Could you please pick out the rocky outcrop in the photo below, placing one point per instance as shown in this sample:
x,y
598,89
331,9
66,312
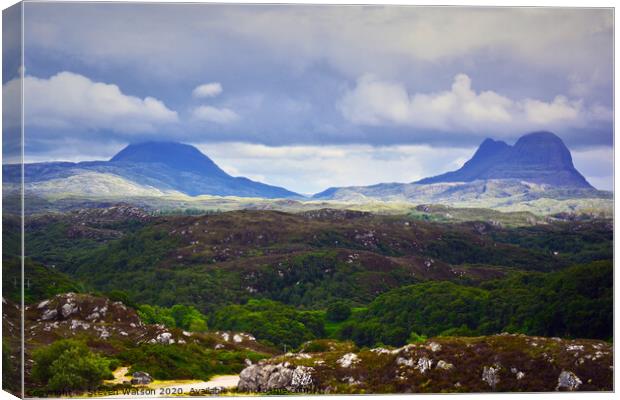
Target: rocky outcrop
x,y
499,363
101,319
283,376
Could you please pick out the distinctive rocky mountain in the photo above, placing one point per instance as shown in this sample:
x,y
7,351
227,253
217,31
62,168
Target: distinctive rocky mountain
x,y
539,165
539,157
144,169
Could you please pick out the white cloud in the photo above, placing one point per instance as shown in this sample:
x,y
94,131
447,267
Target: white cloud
x,y
313,168
376,102
559,109
597,165
207,90
214,114
72,101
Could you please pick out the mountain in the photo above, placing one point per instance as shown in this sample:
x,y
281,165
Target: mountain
x,y
179,156
537,166
142,169
539,157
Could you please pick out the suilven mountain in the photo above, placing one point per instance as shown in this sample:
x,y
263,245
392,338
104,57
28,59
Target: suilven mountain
x,y
539,157
538,165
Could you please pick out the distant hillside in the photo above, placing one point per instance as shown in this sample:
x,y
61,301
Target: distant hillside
x,y
151,168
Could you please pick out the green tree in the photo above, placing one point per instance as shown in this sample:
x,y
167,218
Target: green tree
x,y
338,311
177,316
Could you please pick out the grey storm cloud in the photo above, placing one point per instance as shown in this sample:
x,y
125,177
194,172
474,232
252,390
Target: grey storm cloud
x,y
304,75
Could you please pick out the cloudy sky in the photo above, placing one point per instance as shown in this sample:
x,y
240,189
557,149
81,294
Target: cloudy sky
x,y
309,97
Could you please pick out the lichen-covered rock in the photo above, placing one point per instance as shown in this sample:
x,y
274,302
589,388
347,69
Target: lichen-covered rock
x,y
68,309
302,377
441,364
568,381
434,346
490,375
424,364
141,378
408,362
262,378
347,360
165,338
49,314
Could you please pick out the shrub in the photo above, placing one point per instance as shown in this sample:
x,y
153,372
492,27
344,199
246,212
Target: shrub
x,y
416,338
69,365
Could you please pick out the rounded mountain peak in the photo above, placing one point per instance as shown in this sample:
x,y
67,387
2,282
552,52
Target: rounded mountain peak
x,y
539,137
542,148
173,154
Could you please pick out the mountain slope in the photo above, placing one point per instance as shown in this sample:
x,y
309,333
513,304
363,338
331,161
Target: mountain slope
x,y
539,157
156,167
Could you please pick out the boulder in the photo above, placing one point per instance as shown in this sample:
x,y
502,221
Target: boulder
x,y
165,338
49,314
348,359
141,378
424,364
568,381
441,364
490,375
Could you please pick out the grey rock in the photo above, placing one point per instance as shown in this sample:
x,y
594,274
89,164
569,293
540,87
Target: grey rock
x,y
568,381
490,375
68,309
141,378
424,364
347,360
165,338
262,378
444,365
49,314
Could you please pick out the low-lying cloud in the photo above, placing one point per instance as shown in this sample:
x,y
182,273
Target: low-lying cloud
x,y
312,168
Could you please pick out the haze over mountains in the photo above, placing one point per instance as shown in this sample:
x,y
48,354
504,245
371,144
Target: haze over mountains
x,y
539,164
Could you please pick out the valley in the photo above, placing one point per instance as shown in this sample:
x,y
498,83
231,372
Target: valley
x,y
290,280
